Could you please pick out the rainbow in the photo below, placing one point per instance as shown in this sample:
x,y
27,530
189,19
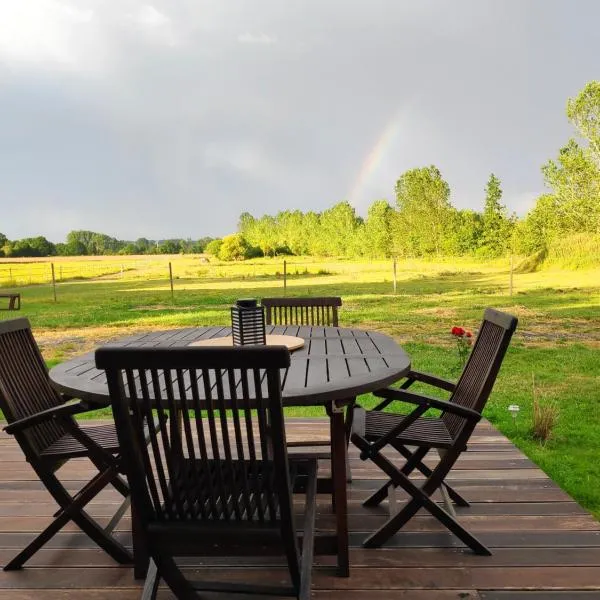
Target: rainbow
x,y
376,156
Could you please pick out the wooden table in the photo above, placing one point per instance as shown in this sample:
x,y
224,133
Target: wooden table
x,y
334,366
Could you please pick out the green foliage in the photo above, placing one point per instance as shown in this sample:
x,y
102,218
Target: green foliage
x,y
496,234
213,247
584,112
233,247
34,246
575,181
573,205
463,235
423,199
377,230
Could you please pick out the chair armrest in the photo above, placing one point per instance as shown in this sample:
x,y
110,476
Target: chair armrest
x,y
432,380
422,400
64,410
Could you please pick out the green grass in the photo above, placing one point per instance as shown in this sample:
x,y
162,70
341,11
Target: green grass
x,y
557,343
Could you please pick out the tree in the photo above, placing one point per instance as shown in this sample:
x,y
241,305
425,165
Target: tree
x,y
34,246
213,247
338,230
377,231
233,247
584,112
423,199
497,227
3,242
463,233
575,182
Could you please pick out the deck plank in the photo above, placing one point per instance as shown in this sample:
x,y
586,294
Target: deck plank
x,y
544,544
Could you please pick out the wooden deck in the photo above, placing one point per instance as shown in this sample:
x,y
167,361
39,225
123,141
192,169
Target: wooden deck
x,y
545,546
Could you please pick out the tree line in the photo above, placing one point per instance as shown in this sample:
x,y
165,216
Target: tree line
x,y
423,222
420,222
91,243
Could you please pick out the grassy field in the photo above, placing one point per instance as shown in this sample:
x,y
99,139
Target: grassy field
x,y
557,344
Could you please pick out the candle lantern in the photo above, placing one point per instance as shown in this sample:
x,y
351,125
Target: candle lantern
x,y
248,323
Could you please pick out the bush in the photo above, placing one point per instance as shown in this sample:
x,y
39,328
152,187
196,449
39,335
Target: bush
x,y
234,247
213,247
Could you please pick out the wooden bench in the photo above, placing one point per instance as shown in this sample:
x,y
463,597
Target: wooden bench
x,y
14,301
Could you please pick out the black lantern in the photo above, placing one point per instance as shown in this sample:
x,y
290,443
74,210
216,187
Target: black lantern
x,y
248,323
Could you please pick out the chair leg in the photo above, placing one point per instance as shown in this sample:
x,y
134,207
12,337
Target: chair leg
x,y
152,581
173,577
20,559
425,470
413,462
394,524
420,499
72,510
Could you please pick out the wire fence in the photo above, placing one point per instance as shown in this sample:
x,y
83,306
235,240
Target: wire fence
x,y
18,274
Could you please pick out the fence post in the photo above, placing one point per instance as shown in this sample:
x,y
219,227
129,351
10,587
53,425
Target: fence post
x,y
171,280
284,277
510,282
53,281
395,278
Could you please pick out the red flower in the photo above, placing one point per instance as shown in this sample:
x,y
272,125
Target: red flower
x,y
458,331
468,334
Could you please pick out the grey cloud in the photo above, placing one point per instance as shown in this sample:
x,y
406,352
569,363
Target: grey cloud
x,y
170,118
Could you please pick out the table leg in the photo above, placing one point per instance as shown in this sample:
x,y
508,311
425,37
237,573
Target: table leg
x,y
339,450
141,558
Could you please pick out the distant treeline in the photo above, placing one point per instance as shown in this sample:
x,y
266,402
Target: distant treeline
x,y
423,222
420,222
90,243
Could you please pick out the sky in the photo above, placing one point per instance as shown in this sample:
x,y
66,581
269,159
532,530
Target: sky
x,y
169,118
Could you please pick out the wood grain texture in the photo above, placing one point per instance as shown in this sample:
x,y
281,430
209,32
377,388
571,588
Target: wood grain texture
x,y
544,545
333,363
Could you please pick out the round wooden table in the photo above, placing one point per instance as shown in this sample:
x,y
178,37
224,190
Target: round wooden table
x,y
333,367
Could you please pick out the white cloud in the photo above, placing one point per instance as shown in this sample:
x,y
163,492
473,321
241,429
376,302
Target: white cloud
x,y
42,30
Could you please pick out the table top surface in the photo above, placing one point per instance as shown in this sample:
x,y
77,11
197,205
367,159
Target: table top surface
x,y
335,363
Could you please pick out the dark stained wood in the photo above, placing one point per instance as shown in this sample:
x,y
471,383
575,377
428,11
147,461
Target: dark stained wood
x,y
215,480
302,311
554,562
43,426
334,363
415,435
14,301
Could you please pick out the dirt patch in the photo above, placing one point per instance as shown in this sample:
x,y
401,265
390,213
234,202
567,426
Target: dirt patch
x,y
521,311
65,344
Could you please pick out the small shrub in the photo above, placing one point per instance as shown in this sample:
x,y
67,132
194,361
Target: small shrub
x,y
545,417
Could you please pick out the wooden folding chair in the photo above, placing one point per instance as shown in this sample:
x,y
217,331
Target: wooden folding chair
x,y
221,482
414,435
312,311
43,425
302,311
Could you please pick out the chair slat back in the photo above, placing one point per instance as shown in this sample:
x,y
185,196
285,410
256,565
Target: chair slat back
x,y
302,311
222,453
25,388
477,379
